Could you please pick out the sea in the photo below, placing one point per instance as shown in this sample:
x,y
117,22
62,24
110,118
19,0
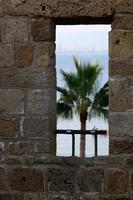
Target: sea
x,y
65,61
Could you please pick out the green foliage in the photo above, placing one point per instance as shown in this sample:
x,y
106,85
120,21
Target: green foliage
x,y
81,92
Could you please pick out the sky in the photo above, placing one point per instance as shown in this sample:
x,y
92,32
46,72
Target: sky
x,y
83,37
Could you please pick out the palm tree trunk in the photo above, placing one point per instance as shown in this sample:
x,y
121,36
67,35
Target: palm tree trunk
x,y
83,118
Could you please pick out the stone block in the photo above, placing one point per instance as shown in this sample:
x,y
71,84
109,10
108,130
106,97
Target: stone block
x,y
11,101
27,77
4,179
121,91
11,196
42,146
121,124
124,6
26,179
19,148
7,55
90,180
36,127
131,181
18,7
60,8
61,180
63,197
24,55
123,22
42,30
121,67
2,147
91,8
8,128
1,8
121,146
32,196
45,54
41,101
116,181
121,43
14,30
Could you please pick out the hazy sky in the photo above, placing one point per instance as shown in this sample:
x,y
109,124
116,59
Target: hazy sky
x,y
83,37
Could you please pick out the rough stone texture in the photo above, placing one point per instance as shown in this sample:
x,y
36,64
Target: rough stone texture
x,y
42,146
11,196
45,54
24,179
4,182
7,61
121,67
19,148
27,77
60,180
33,196
56,8
8,128
14,30
11,101
42,30
40,101
121,43
124,6
119,146
121,124
91,180
1,8
121,91
123,22
35,128
24,55
131,181
116,181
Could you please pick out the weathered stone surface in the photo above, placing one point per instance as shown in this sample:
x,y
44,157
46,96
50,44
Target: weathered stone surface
x,y
42,146
42,29
11,101
8,128
26,179
36,127
4,182
1,8
2,146
32,196
121,43
123,22
60,8
131,181
121,67
119,146
116,181
27,77
45,54
121,124
11,196
18,7
124,6
7,61
24,55
14,30
62,197
61,180
121,91
41,101
90,180
19,148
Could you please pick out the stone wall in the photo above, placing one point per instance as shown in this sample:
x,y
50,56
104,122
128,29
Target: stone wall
x,y
28,103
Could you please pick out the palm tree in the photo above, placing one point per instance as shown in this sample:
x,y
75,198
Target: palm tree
x,y
81,95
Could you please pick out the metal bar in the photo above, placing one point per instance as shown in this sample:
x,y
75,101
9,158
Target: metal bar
x,y
87,132
96,144
73,144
